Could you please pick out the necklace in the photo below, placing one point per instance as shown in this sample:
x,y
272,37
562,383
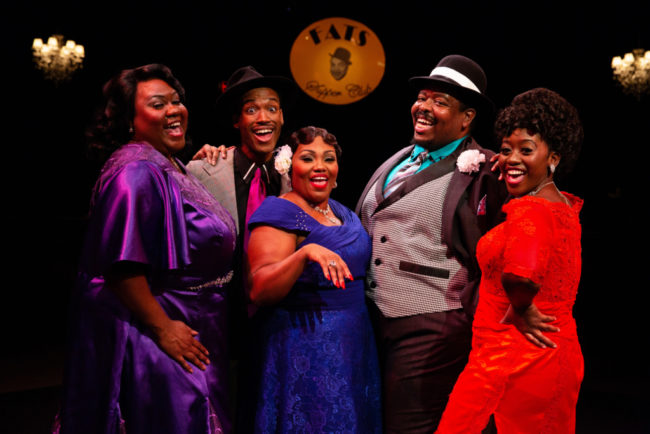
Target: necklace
x,y
326,212
175,164
539,188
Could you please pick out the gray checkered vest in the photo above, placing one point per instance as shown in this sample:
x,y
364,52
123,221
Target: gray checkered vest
x,y
410,271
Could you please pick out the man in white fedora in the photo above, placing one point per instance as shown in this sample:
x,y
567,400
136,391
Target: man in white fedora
x,y
425,209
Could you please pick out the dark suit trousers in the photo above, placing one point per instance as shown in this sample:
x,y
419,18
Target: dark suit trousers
x,y
421,357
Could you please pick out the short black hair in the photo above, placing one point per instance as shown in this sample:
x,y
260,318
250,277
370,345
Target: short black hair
x,y
544,112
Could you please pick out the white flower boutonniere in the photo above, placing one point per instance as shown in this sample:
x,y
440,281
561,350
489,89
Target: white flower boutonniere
x,y
470,161
283,159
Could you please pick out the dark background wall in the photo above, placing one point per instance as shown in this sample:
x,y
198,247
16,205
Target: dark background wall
x,y
560,45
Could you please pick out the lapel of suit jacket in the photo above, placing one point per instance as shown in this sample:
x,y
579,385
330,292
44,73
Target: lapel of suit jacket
x,y
380,174
432,172
457,186
223,183
285,184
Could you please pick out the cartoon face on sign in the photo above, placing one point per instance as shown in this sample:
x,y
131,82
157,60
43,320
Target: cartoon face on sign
x,y
337,61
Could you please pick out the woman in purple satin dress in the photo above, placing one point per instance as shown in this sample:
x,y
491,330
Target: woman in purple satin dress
x,y
148,338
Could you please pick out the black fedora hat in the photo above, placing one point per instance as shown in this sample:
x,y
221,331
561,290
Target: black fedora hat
x,y
342,54
247,78
460,77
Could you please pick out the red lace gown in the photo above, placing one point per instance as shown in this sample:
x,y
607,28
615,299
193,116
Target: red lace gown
x,y
527,388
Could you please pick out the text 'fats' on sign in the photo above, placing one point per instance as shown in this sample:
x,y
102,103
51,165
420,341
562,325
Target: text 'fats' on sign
x,y
337,61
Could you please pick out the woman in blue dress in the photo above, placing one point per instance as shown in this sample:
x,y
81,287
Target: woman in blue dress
x,y
308,256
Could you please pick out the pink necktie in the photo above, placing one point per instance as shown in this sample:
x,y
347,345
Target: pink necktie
x,y
256,195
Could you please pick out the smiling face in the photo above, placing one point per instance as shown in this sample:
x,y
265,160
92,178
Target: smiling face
x,y
524,161
260,123
438,119
314,170
338,68
160,118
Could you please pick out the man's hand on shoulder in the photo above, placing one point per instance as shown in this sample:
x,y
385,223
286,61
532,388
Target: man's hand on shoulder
x,y
211,153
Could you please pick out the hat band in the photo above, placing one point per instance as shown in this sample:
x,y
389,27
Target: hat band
x,y
456,76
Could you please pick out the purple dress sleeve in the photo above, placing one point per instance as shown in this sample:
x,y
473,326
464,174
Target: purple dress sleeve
x,y
137,217
146,211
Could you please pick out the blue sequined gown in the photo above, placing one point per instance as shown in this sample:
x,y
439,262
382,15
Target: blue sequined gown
x,y
319,369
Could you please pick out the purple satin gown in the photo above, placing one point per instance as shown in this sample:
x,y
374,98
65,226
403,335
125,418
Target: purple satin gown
x,y
117,378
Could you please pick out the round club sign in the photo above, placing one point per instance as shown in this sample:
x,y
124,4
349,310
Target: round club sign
x,y
337,61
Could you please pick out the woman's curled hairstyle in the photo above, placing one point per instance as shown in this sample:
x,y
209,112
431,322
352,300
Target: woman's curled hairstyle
x,y
112,127
544,112
306,135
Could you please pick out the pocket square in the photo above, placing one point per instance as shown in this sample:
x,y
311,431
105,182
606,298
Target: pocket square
x,y
482,206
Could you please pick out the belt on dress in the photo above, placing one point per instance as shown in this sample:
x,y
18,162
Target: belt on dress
x,y
219,282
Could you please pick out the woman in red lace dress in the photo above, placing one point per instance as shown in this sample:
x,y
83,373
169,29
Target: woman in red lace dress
x,y
526,365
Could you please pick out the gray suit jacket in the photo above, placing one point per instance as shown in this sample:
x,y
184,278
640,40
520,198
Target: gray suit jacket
x,y
219,180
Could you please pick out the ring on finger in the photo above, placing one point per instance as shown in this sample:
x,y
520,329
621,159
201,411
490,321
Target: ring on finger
x,y
331,263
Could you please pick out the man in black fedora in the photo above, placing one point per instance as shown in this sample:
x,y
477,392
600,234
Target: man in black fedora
x,y
251,103
425,209
339,63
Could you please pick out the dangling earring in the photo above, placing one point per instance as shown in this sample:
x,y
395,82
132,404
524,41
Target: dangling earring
x,y
335,184
552,168
131,130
